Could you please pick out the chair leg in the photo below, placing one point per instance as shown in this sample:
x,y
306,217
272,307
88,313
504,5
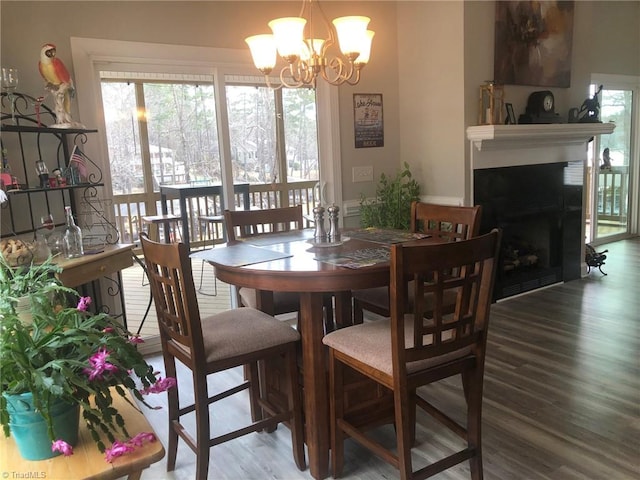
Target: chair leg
x,y
252,375
329,318
295,407
403,434
174,417
215,283
215,280
358,312
336,413
474,421
202,425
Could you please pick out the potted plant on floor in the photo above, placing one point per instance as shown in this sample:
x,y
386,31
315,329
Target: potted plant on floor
x,y
65,361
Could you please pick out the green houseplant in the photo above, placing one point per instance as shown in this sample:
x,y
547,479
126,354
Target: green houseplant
x,y
68,354
27,289
391,206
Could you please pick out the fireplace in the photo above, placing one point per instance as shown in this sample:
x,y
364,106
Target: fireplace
x,y
539,212
529,180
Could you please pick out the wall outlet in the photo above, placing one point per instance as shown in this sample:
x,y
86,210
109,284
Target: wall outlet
x,y
362,174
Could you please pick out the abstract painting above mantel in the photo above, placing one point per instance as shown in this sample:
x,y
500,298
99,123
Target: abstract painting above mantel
x,y
533,42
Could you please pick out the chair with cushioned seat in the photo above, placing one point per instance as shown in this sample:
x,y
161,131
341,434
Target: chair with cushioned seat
x,y
414,348
240,337
242,224
445,222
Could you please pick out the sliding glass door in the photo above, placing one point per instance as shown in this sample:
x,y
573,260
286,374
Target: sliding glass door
x,y
613,162
163,128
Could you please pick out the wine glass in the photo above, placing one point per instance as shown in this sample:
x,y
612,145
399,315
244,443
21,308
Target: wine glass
x,y
10,84
46,226
46,222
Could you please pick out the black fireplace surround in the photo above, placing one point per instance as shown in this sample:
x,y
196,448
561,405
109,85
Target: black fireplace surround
x,y
539,209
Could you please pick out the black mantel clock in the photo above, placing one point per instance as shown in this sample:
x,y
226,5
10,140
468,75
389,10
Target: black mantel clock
x,y
540,108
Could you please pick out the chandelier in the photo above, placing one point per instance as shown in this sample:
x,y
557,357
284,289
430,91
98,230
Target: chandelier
x,y
307,56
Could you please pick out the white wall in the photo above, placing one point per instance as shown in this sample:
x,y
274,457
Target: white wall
x,y
431,65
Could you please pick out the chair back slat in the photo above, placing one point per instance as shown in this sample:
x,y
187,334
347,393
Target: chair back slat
x,y
247,223
430,331
174,295
451,223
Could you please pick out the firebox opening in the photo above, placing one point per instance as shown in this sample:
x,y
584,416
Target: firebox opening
x,y
529,203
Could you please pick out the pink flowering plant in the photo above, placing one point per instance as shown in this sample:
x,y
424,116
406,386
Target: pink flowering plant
x,y
72,354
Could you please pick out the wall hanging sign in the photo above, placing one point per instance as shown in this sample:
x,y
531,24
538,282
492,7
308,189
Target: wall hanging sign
x,y
368,124
533,41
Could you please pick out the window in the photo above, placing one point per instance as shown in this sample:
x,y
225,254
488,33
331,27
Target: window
x,y
273,133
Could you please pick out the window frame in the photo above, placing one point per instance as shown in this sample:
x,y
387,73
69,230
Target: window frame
x,y
90,56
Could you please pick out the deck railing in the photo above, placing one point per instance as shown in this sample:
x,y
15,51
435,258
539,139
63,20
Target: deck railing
x,y
128,209
612,193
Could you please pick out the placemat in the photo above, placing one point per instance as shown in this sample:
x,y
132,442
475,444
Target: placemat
x,y
365,257
280,237
239,255
386,236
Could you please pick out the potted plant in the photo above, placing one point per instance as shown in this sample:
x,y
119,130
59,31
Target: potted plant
x,y
391,207
65,361
24,288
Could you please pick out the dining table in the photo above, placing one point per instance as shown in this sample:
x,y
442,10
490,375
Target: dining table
x,y
295,262
184,191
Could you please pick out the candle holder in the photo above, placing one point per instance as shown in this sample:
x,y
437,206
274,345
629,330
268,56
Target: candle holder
x,y
491,104
43,173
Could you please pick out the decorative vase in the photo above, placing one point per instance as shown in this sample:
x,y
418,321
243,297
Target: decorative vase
x,y
29,429
23,310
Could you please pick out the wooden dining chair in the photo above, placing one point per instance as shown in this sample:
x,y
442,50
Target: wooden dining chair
x,y
445,222
407,350
240,337
243,224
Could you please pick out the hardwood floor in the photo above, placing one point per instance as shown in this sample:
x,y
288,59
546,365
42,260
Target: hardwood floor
x,y
561,399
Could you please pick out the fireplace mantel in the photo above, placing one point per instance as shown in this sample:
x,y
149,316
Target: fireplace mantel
x,y
501,137
494,146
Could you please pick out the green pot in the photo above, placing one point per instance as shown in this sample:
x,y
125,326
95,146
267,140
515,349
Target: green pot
x,y
29,429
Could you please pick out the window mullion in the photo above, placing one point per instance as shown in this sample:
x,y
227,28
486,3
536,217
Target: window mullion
x,y
145,148
281,146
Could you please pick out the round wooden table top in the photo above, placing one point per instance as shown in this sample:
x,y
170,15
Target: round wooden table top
x,y
303,271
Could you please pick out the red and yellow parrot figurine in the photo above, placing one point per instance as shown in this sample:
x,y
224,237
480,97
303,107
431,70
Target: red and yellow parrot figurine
x,y
59,82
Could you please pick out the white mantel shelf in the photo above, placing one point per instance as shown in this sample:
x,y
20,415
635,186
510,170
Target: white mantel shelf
x,y
505,137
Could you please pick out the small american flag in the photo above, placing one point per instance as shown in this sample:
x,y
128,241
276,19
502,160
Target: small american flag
x,y
78,163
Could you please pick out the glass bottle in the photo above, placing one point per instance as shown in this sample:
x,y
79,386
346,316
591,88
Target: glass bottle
x,y
72,240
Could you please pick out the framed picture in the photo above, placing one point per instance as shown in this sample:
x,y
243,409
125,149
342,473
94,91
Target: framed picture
x,y
368,123
533,42
511,117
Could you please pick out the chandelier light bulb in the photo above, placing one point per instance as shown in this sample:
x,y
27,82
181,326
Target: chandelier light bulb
x,y
352,34
289,35
263,51
365,50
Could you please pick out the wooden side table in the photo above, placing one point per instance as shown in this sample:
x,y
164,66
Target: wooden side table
x,y
90,267
86,463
